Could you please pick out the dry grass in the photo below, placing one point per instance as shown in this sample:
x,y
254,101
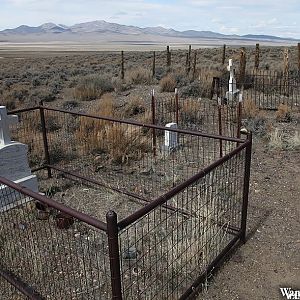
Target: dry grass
x,y
250,109
92,87
139,76
119,141
190,111
134,107
167,84
283,113
280,140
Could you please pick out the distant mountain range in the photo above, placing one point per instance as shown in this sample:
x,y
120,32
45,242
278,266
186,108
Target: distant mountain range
x,y
51,32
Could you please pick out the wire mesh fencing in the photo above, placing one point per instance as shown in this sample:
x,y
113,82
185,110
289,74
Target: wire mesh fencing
x,y
268,89
191,189
54,254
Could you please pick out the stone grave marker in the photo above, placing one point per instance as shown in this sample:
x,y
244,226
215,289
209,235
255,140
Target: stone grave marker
x,y
13,164
171,137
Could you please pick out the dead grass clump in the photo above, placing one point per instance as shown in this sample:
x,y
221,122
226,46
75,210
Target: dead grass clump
x,y
139,76
134,107
190,111
281,141
167,84
250,109
125,143
92,87
283,113
90,130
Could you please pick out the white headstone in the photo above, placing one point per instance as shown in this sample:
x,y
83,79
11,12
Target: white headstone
x,y
13,163
233,92
5,121
171,137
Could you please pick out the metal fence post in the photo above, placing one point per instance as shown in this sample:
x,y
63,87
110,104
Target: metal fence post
x,y
114,255
45,139
153,122
246,188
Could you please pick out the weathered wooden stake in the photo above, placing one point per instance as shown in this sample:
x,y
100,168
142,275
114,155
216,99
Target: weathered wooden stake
x,y
194,64
256,64
153,65
122,65
224,54
187,64
242,67
168,56
189,58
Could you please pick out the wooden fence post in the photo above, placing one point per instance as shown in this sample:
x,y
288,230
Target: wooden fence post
x,y
256,64
224,54
189,59
168,57
242,67
153,65
194,64
122,65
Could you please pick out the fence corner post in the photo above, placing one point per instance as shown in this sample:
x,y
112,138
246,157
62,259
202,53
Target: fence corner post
x,y
114,255
246,187
45,139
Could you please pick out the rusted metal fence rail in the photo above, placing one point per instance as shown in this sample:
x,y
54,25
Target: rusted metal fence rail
x,y
192,211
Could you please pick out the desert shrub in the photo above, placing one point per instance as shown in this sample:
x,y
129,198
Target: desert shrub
x,y
160,72
283,141
192,90
135,106
119,85
70,104
167,83
190,111
125,143
139,76
259,125
92,87
46,96
7,99
283,113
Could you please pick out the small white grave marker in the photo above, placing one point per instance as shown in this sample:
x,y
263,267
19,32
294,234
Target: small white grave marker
x,y
171,137
14,164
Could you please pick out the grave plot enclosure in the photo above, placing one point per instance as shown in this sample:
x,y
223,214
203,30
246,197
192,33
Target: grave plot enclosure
x,y
159,208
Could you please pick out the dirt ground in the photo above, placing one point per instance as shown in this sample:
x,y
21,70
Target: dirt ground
x,y
270,259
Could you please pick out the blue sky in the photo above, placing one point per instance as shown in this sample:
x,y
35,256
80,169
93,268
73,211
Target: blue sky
x,y
273,17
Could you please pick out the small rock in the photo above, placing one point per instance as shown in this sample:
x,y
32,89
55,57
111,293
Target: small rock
x,y
130,253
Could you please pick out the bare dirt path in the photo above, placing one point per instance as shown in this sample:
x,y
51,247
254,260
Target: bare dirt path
x,y
271,257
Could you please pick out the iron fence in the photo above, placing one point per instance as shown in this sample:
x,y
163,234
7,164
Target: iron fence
x,y
269,89
192,195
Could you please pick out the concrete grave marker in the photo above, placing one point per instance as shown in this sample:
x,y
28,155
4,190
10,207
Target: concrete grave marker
x,y
13,163
171,137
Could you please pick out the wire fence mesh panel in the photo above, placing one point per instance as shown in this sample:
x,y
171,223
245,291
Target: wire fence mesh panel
x,y
142,160
29,131
164,251
270,89
57,256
